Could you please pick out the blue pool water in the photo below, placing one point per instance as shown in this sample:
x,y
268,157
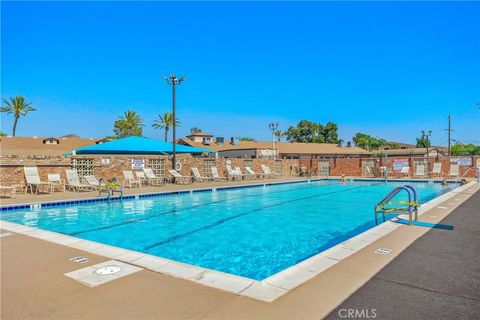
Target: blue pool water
x,y
252,232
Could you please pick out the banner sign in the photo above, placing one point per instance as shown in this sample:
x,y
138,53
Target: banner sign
x,y
398,164
467,161
138,164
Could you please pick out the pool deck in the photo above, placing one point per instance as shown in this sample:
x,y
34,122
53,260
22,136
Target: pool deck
x,y
439,274
34,285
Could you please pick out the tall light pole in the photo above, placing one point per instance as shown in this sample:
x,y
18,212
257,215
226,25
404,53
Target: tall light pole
x,y
174,81
273,126
427,134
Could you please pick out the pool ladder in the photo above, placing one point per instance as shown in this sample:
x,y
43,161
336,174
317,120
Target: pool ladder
x,y
411,205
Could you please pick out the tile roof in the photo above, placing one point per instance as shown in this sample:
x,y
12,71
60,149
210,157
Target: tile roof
x,y
282,147
34,146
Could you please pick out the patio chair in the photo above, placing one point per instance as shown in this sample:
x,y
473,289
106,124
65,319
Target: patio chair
x,y
216,176
405,171
142,177
197,177
454,170
8,189
232,174
437,170
251,172
180,179
54,182
266,170
92,181
33,179
245,176
419,171
130,180
73,181
152,179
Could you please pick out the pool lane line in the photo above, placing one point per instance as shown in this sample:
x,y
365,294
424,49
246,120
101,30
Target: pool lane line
x,y
182,235
175,211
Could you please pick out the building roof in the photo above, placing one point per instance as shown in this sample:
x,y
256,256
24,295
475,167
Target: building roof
x,y
282,147
137,145
28,146
200,134
406,151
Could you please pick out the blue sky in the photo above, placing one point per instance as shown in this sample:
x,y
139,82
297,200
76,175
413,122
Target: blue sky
x,y
387,69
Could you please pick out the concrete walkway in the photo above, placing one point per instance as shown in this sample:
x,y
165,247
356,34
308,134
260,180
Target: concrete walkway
x,y
437,277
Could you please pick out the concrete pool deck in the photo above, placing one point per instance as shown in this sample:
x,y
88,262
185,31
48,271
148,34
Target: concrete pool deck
x,y
34,285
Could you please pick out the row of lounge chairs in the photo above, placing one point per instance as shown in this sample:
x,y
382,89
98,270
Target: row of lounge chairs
x,y
420,170
146,177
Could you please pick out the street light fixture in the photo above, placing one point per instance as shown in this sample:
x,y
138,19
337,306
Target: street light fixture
x,y
273,126
427,134
174,81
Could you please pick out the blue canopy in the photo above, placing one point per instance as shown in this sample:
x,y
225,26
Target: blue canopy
x,y
137,145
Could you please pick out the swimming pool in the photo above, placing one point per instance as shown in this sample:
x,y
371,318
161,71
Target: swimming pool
x,y
252,232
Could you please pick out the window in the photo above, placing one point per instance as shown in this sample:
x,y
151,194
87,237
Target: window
x,y
84,166
157,166
207,167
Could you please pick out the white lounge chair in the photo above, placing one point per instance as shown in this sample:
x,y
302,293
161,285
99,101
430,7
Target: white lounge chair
x,y
437,170
232,174
243,175
92,181
216,176
197,177
419,171
405,171
130,180
253,173
180,179
54,182
141,176
33,179
454,170
266,170
73,181
152,179
8,189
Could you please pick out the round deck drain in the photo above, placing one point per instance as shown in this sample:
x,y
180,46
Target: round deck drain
x,y
108,270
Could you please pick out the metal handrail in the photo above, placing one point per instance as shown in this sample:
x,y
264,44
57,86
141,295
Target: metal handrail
x,y
412,205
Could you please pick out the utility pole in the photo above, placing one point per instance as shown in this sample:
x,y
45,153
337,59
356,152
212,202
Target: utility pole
x,y
173,80
273,126
449,133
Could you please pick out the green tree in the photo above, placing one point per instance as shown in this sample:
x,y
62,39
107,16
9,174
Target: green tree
x,y
368,142
460,149
308,131
279,134
195,130
2,134
165,122
18,107
423,141
246,139
128,124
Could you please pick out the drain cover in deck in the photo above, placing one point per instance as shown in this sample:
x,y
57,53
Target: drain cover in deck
x,y
102,273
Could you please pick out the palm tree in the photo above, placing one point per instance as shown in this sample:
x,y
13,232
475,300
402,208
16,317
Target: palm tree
x,y
279,134
129,124
165,122
18,107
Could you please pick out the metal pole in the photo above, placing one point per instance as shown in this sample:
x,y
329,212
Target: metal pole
x,y
273,142
174,133
449,131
